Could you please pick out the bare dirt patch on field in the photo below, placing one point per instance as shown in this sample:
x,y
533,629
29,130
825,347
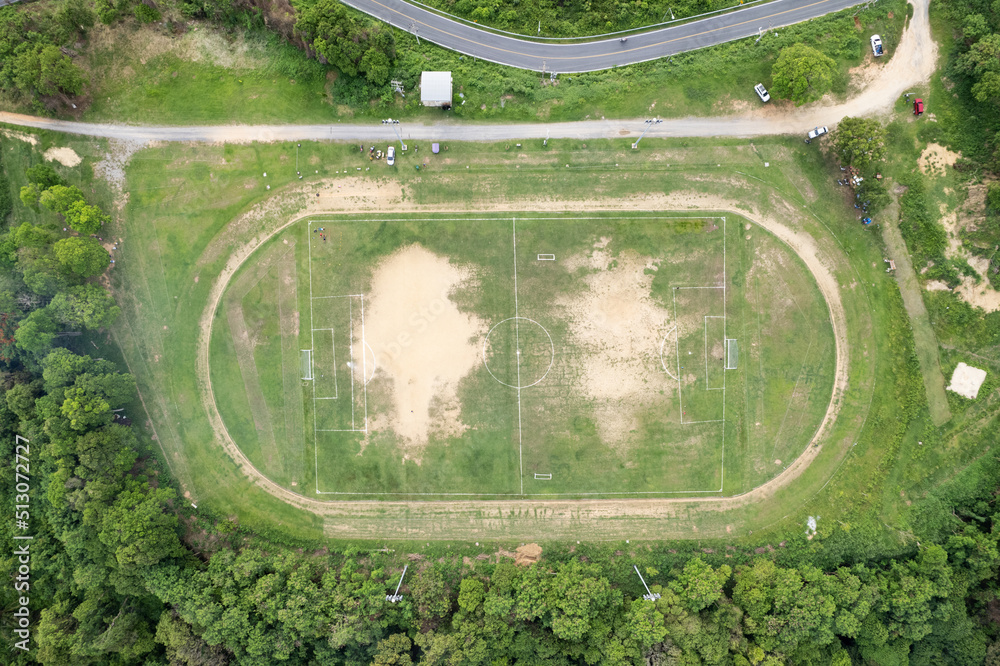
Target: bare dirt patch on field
x,y
619,325
421,341
935,159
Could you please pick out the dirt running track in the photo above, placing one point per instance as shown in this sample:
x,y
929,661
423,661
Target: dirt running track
x,y
912,63
530,518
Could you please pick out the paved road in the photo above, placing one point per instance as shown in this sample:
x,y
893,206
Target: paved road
x,y
590,56
912,63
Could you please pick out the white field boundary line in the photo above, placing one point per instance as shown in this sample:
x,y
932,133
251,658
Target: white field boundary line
x,y
312,344
725,294
517,344
784,235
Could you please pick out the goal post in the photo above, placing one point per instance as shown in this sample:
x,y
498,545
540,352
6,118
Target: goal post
x,y
732,353
305,357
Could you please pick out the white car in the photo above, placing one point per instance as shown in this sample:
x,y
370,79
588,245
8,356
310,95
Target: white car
x,y
819,131
762,92
877,46
390,156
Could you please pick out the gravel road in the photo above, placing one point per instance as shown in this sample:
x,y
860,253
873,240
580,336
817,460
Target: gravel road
x,y
913,63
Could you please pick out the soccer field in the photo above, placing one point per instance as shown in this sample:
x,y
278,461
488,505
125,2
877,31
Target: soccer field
x,y
613,355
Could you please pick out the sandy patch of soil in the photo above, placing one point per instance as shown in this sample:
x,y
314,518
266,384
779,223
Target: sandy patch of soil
x,y
527,554
966,217
20,136
620,326
65,156
978,295
421,341
936,158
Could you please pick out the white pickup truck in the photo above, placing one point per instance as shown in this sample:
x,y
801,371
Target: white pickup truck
x,y
877,46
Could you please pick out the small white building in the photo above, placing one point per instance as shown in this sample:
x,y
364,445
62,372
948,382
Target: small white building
x,y
435,89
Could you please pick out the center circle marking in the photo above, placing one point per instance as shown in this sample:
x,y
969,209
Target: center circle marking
x,y
534,326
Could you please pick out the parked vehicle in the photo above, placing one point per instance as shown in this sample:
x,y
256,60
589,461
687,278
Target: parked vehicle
x,y
391,156
918,107
762,92
813,133
876,46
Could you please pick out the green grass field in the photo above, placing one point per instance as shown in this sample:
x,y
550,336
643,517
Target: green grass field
x,y
191,208
570,382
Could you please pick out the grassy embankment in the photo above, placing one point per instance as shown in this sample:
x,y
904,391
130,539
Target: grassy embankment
x,y
147,75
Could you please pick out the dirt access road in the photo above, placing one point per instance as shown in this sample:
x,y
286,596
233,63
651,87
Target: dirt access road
x,y
913,62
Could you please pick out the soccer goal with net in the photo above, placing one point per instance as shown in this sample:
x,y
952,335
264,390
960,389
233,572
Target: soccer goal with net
x,y
306,357
732,353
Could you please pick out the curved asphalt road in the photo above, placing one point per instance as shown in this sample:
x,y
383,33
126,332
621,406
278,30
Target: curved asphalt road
x,y
591,56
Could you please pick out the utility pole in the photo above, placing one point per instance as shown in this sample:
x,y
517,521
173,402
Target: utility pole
x,y
396,596
649,596
393,123
649,123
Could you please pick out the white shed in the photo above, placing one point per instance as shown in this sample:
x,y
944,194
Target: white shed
x,y
435,89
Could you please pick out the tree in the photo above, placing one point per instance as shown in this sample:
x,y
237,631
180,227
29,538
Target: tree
x,y
29,196
993,198
85,306
57,73
85,257
988,87
355,46
86,219
860,142
699,585
43,274
138,529
85,410
59,198
28,235
802,74
44,176
471,594
36,332
393,651
61,368
984,56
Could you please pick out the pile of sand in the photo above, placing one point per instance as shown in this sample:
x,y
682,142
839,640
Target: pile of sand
x,y
528,554
966,381
65,156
